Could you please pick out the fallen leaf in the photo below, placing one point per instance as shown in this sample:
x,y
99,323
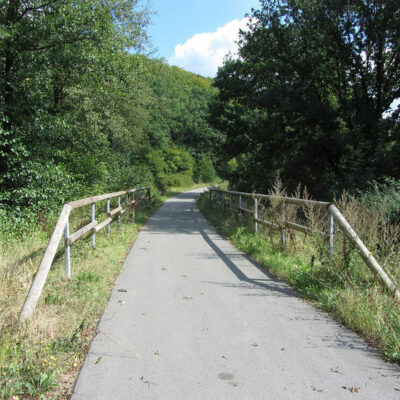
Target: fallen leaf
x,y
122,290
351,389
255,344
98,360
157,353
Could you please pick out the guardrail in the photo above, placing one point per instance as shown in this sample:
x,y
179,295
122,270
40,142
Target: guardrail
x,y
62,226
333,214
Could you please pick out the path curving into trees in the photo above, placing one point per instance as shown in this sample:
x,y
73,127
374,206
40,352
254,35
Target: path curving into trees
x,y
191,317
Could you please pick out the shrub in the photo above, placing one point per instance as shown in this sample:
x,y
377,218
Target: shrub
x,y
171,167
204,171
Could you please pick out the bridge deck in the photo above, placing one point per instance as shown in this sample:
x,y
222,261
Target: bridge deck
x,y
193,318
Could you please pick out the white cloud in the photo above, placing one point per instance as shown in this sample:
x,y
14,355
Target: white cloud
x,y
203,53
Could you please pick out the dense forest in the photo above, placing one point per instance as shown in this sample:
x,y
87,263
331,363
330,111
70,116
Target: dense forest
x,y
83,110
313,96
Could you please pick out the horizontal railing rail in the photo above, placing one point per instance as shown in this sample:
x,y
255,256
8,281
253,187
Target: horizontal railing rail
x,y
62,226
334,215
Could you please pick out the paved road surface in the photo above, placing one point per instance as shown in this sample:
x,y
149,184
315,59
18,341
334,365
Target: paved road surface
x,y
199,320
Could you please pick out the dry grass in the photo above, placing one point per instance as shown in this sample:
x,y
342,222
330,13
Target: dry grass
x,y
42,358
53,344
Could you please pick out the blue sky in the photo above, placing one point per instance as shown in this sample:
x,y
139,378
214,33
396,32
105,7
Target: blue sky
x,y
195,34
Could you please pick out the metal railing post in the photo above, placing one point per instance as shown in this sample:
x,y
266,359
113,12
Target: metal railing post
x,y
92,218
240,211
255,216
331,233
108,210
223,202
230,203
119,214
67,250
283,232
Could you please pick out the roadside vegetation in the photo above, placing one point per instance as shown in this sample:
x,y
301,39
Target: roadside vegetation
x,y
340,284
84,110
42,358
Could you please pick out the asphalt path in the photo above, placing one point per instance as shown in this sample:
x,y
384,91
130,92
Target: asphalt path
x,y
193,318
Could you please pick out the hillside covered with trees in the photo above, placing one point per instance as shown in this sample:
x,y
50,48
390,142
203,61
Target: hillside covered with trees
x,y
83,111
313,96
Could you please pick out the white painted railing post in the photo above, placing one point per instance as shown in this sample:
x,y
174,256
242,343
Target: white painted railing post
x,y
283,231
331,233
92,218
67,250
240,211
108,211
119,214
255,216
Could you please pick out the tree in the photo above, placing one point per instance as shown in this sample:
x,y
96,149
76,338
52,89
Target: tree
x,y
311,94
56,59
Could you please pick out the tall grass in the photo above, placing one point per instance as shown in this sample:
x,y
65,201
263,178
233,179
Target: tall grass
x,y
340,283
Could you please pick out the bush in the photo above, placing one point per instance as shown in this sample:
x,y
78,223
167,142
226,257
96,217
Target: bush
x,y
384,196
204,171
39,189
171,167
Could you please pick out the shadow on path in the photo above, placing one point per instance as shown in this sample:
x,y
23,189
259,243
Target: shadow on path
x,y
276,285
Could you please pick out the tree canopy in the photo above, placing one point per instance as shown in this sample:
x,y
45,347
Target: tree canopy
x,y
311,95
82,107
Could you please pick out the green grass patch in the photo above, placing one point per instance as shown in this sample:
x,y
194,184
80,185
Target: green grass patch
x,y
339,285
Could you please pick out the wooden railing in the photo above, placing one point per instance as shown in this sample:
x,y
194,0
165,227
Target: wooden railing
x,y
62,225
227,199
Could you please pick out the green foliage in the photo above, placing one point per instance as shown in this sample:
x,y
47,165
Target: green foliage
x,y
204,171
171,167
384,196
180,110
40,384
311,94
88,127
